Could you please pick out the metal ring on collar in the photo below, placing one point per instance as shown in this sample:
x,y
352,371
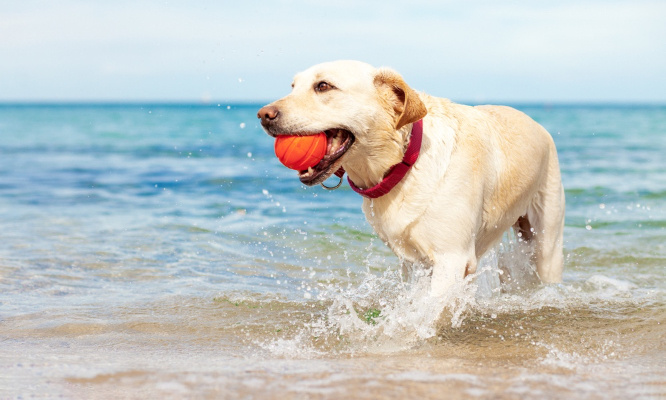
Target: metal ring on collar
x,y
332,187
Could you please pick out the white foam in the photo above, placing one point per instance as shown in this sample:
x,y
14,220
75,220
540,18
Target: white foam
x,y
297,347
606,283
560,358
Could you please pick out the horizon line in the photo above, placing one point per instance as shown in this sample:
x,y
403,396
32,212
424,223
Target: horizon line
x,y
259,102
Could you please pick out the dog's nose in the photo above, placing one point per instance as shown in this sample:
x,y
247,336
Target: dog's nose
x,y
268,114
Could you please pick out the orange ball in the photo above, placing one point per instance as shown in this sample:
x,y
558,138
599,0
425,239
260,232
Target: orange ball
x,y
300,152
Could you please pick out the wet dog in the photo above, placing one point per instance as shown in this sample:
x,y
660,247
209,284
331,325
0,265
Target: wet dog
x,y
465,174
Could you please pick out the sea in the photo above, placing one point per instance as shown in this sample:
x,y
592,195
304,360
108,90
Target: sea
x,y
162,251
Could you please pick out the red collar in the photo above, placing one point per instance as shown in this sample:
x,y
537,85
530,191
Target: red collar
x,y
396,172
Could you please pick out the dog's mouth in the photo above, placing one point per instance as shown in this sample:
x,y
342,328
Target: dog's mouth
x,y
338,142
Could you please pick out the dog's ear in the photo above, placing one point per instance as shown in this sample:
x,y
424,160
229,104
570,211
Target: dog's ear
x,y
404,101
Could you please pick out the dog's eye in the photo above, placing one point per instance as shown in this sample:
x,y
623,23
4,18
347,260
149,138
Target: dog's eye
x,y
323,87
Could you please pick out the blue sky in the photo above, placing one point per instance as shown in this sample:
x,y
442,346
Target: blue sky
x,y
221,51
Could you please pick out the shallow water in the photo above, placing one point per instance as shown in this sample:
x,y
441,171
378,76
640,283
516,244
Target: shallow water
x,y
162,251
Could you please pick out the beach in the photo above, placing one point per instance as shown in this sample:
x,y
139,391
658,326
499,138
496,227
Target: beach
x,y
162,251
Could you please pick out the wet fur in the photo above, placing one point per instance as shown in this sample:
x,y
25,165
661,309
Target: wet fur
x,y
481,169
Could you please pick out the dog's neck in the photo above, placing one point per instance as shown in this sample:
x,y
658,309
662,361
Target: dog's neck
x,y
374,187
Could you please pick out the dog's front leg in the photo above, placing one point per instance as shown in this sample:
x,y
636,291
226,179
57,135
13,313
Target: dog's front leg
x,y
449,269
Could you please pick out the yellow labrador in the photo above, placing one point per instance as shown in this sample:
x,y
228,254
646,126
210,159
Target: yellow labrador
x,y
477,172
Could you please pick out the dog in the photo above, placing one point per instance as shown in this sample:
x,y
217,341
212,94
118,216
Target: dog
x,y
478,171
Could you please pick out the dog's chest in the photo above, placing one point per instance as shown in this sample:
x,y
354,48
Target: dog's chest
x,y
394,226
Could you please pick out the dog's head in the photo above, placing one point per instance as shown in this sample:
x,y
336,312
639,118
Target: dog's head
x,y
360,108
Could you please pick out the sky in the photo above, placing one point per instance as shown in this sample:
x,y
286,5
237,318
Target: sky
x,y
246,50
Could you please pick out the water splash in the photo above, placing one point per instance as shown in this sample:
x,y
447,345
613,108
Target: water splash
x,y
384,313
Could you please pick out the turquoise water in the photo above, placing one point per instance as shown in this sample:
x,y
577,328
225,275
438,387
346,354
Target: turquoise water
x,y
147,247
